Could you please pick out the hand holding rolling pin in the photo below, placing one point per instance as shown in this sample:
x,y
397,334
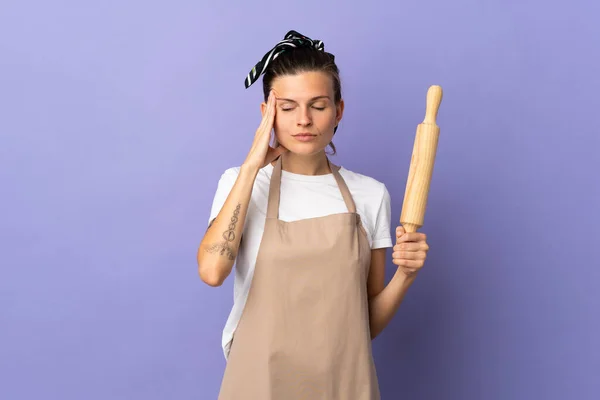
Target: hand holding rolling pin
x,y
411,247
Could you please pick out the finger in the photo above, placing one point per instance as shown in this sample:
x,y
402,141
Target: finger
x,y
270,114
416,264
274,93
263,123
400,262
400,231
412,237
269,106
266,124
273,99
409,255
411,246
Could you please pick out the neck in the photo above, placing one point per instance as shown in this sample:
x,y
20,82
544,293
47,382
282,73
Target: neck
x,y
313,164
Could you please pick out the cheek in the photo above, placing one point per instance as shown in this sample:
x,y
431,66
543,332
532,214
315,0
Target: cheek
x,y
281,121
328,118
281,126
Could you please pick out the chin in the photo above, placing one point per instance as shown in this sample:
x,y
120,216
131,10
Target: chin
x,y
305,149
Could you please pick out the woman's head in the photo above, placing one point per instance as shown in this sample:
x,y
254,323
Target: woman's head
x,y
307,85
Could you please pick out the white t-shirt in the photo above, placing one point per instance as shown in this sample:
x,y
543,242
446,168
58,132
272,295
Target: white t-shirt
x,y
302,196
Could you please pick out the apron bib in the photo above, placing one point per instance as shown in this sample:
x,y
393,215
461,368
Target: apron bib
x,y
304,332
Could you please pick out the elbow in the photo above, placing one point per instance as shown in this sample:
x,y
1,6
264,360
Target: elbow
x,y
212,271
212,282
210,277
204,271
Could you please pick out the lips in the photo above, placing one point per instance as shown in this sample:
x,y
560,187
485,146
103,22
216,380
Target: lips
x,y
305,137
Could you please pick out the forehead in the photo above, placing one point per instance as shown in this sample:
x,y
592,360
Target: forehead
x,y
304,85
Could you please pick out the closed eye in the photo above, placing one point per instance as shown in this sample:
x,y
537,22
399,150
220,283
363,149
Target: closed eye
x,y
316,108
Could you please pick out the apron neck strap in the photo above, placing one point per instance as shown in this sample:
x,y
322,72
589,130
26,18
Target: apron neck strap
x,y
275,189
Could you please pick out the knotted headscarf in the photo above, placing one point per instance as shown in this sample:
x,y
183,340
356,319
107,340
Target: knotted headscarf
x,y
291,40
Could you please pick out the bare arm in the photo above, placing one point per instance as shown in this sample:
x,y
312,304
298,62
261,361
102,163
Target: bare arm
x,y
219,246
218,249
409,255
384,300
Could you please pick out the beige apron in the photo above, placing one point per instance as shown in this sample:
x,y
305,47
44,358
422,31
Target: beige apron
x,y
304,332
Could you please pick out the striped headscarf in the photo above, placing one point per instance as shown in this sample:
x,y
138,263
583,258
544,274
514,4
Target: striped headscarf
x,y
292,39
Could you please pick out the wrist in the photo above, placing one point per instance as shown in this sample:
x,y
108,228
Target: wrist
x,y
405,278
249,170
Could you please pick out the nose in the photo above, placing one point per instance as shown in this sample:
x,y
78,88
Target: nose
x,y
304,118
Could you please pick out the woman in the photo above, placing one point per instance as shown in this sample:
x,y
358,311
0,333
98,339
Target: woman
x,y
309,241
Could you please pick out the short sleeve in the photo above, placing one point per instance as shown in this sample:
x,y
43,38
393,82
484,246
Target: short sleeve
x,y
381,234
224,187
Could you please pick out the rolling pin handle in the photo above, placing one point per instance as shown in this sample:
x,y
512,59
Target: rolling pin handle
x,y
434,98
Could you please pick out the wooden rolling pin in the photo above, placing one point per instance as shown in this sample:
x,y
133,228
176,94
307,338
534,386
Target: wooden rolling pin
x,y
421,164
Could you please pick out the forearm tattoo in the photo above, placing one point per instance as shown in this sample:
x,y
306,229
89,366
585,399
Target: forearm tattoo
x,y
224,248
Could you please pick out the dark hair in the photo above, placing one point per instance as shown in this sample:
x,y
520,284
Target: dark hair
x,y
304,59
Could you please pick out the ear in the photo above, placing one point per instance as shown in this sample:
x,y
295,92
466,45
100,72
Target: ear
x,y
263,108
339,112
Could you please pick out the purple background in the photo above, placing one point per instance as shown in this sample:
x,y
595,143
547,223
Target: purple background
x,y
117,119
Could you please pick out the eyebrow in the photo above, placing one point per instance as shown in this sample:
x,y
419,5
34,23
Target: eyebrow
x,y
294,101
